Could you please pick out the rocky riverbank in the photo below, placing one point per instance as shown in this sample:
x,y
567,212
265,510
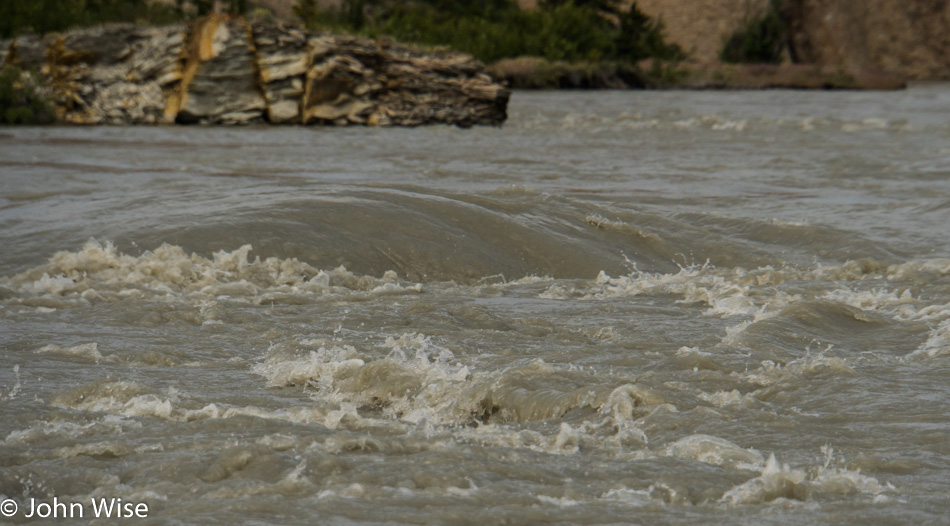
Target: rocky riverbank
x,y
222,70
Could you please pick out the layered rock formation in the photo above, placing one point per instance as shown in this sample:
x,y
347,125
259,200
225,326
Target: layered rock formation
x,y
220,83
223,71
345,79
282,61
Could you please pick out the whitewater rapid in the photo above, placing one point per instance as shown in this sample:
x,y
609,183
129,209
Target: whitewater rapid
x,y
618,308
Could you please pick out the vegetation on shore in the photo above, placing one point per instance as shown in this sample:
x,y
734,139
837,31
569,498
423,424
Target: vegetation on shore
x,y
558,30
589,35
21,101
491,30
47,16
560,44
760,40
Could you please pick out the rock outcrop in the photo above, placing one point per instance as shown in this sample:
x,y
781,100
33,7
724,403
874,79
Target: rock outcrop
x,y
701,27
334,79
220,80
906,37
106,75
221,70
282,59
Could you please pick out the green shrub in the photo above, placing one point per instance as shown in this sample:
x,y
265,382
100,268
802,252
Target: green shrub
x,y
20,100
642,37
491,30
45,16
761,40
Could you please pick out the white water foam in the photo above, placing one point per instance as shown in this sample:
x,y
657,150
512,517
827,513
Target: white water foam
x,y
779,482
762,293
98,271
86,351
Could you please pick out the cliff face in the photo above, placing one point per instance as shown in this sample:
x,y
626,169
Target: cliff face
x,y
223,71
906,37
701,27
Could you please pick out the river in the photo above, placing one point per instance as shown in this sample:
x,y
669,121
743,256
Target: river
x,y
618,308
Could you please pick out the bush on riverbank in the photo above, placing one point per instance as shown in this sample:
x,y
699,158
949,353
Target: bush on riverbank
x,y
760,41
491,30
20,99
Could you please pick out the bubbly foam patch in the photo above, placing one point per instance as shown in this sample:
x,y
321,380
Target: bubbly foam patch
x,y
725,292
937,344
408,384
770,372
120,398
131,399
778,482
415,381
41,431
420,383
715,450
100,271
86,351
753,296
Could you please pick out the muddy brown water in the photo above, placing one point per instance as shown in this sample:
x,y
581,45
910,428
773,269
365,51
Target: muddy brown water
x,y
619,308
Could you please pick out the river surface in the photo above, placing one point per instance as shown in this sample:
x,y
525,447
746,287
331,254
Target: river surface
x,y
619,308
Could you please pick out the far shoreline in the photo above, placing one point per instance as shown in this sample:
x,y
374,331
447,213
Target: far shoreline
x,y
533,73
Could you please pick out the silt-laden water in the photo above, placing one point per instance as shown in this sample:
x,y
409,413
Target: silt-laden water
x,y
619,308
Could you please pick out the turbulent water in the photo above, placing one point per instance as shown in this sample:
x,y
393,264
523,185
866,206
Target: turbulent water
x,y
627,308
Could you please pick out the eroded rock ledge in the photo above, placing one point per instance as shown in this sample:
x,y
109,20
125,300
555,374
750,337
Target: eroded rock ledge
x,y
221,70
